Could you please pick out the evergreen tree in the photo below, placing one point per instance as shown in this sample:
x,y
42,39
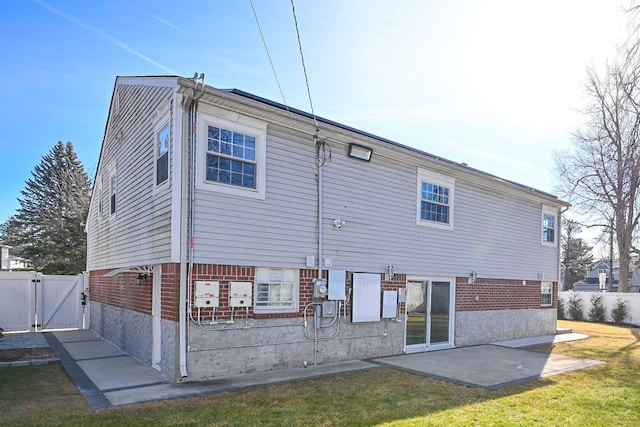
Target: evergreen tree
x,y
48,227
576,254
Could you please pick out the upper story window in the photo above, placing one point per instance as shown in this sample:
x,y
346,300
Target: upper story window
x,y
435,200
112,198
549,226
231,157
231,153
276,290
162,140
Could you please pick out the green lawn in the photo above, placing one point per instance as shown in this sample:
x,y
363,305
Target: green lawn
x,y
600,396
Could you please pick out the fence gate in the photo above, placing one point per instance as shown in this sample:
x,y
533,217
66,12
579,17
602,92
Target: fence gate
x,y
34,302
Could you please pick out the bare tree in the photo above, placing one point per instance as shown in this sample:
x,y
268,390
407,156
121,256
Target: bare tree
x,y
601,174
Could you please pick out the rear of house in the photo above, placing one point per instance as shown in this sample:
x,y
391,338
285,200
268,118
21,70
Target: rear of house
x,y
228,234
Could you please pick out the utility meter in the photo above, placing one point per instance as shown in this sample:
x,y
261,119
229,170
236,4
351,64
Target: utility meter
x,y
320,288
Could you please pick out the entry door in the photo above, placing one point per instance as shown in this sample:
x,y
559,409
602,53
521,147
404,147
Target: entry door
x,y
429,308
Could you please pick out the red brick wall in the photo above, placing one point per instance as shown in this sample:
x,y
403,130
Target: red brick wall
x,y
120,290
500,294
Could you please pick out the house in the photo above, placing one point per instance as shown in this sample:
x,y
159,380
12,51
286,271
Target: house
x,y
600,271
12,262
228,233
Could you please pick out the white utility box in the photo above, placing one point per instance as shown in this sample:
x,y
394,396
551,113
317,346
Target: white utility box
x,y
207,294
240,294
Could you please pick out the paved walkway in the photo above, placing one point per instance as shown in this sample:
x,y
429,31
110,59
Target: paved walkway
x,y
108,377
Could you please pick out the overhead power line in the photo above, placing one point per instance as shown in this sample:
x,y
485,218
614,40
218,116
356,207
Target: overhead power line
x,y
304,68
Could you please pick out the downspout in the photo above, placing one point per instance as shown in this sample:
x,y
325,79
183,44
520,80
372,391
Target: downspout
x,y
186,269
562,211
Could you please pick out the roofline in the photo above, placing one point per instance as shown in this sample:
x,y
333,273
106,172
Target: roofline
x,y
387,141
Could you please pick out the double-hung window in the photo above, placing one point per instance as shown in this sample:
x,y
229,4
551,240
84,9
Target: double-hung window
x,y
546,293
435,200
162,140
549,226
232,154
231,157
276,290
112,197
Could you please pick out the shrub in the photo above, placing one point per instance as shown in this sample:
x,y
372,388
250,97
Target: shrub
x,y
619,311
575,307
561,309
597,313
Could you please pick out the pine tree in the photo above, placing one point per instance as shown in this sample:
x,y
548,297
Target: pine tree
x,y
576,254
48,227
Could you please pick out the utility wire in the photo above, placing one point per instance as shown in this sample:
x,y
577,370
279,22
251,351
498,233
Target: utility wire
x,y
273,68
304,68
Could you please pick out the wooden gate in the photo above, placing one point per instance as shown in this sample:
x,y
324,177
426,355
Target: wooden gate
x,y
32,301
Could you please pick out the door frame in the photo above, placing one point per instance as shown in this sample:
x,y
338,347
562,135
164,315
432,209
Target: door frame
x,y
414,348
156,318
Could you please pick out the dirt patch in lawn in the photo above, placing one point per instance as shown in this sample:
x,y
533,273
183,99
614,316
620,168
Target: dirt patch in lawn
x,y
13,354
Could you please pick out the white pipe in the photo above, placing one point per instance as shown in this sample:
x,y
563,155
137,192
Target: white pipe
x,y
320,212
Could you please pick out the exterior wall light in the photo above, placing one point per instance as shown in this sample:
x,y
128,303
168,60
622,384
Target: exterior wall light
x,y
390,271
360,152
473,276
141,278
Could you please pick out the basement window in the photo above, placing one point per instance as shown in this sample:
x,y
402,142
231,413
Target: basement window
x,y
276,290
546,294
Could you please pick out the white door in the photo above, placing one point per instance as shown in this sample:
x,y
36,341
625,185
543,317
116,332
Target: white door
x,y
429,314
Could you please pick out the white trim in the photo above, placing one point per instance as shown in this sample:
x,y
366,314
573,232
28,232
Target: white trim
x,y
424,175
549,211
236,123
415,348
148,81
177,147
161,120
156,319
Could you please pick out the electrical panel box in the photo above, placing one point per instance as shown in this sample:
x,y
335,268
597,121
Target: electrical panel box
x,y
207,294
328,309
337,284
320,288
389,304
240,294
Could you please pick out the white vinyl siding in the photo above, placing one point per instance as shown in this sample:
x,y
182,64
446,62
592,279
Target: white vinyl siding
x,y
140,231
496,233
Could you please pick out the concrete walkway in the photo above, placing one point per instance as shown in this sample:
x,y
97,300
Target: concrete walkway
x,y
108,377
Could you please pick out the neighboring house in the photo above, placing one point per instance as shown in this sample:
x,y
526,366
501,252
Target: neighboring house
x,y
592,281
12,262
215,212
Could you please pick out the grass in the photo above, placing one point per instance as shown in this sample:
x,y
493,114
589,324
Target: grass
x,y
603,395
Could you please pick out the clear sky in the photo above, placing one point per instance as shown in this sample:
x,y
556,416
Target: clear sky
x,y
496,84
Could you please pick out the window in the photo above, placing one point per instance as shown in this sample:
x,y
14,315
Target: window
x,y
546,293
112,199
276,290
548,226
231,154
435,200
162,139
231,157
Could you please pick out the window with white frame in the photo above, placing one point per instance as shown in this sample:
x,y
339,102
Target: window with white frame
x,y
232,155
435,200
162,141
549,226
546,293
276,290
112,192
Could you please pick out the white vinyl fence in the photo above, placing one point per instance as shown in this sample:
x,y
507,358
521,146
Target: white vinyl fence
x,y
632,302
31,301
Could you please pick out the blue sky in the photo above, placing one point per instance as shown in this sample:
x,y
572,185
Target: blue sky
x,y
496,84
